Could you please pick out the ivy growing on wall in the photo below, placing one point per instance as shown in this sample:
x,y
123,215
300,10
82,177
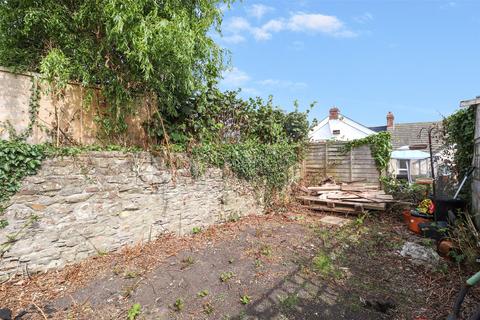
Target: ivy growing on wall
x,y
459,129
266,165
380,145
17,160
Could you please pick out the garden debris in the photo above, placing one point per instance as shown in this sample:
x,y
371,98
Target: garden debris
x,y
355,197
420,255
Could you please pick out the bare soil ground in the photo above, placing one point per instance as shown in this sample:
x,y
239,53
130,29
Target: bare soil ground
x,y
284,266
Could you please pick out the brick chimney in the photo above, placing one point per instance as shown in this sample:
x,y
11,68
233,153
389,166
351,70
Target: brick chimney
x,y
390,119
334,113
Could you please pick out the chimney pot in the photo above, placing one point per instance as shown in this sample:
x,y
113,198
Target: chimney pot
x,y
334,111
390,119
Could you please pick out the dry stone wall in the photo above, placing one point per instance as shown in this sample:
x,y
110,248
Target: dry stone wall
x,y
100,201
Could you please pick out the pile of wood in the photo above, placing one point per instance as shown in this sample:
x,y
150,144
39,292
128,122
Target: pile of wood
x,y
345,198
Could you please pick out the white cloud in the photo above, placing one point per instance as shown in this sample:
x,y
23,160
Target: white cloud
x,y
284,84
235,78
314,22
298,22
364,18
237,24
234,39
259,10
274,25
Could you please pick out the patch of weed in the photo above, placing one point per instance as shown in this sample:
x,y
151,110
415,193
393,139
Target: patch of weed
x,y
234,217
179,304
187,262
3,223
202,293
245,299
258,263
134,311
129,274
289,301
322,263
225,276
102,253
196,230
266,250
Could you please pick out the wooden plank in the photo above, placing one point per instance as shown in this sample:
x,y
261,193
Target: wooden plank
x,y
371,206
337,209
325,188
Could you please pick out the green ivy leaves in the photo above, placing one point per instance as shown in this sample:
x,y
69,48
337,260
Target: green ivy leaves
x,y
268,165
380,146
17,160
460,131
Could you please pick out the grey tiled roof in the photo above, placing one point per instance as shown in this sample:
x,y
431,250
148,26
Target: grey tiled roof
x,y
378,129
404,134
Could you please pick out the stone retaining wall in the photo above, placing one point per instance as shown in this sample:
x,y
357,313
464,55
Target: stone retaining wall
x,y
85,205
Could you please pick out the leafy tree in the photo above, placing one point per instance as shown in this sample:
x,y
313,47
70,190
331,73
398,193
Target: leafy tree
x,y
224,117
129,48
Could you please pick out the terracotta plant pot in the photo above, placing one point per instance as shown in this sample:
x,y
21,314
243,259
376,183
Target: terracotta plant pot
x,y
444,247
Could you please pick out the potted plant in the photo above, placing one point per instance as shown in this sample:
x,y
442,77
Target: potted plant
x,y
422,214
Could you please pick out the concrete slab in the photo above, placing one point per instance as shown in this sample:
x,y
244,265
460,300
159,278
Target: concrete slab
x,y
336,221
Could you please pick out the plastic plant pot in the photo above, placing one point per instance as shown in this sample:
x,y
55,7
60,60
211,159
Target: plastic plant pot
x,y
406,216
434,230
417,218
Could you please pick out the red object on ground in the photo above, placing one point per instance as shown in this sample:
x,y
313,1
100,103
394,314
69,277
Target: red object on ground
x,y
414,222
406,215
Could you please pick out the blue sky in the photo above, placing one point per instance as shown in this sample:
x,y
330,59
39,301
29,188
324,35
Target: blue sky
x,y
415,58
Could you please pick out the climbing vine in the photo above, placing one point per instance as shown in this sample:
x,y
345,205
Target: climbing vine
x,y
265,165
380,146
33,108
17,160
459,130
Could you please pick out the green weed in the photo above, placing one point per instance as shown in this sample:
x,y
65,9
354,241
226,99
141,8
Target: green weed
x,y
225,276
179,305
202,293
289,301
322,263
245,299
134,311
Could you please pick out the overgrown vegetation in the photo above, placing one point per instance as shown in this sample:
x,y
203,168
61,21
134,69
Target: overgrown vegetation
x,y
380,146
264,164
403,190
162,50
17,160
159,53
459,132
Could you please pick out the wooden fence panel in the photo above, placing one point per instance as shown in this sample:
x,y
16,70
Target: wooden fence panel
x,y
324,159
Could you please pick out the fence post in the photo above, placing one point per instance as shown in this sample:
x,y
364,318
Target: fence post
x,y
351,164
326,159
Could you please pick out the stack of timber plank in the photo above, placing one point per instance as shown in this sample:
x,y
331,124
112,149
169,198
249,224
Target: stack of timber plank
x,y
346,198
